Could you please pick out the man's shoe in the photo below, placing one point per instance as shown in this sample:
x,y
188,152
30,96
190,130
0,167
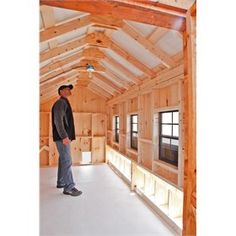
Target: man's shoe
x,y
73,192
61,185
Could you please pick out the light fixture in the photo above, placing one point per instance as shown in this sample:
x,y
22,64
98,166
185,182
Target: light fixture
x,y
90,69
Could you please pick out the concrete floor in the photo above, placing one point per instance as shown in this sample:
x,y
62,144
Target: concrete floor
x,y
106,207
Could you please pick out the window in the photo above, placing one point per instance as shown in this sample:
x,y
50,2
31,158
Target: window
x,y
117,128
134,131
169,137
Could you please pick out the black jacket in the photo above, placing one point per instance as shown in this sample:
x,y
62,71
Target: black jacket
x,y
62,120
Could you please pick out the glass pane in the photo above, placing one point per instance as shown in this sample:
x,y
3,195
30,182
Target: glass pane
x,y
167,117
166,130
134,119
176,117
176,130
165,140
135,135
175,142
135,127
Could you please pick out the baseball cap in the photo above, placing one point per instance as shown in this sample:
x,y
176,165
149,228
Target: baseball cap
x,y
70,86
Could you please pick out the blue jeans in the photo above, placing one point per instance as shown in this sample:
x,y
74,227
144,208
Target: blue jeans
x,y
64,174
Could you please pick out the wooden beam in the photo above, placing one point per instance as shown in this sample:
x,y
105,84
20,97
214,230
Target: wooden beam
x,y
156,35
189,125
129,10
49,83
109,82
55,31
103,85
164,75
158,52
50,95
131,77
62,49
78,66
97,92
98,39
54,86
131,59
107,21
60,63
93,52
48,21
99,89
111,75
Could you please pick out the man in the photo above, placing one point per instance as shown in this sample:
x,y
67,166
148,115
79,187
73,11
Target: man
x,y
63,134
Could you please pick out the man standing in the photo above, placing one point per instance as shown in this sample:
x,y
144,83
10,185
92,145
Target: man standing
x,y
63,134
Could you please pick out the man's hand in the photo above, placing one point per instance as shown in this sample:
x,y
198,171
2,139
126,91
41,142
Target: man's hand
x,y
66,141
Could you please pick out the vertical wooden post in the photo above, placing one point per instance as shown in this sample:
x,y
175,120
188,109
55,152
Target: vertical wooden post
x,y
189,124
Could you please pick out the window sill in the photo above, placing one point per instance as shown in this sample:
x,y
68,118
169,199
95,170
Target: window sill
x,y
166,166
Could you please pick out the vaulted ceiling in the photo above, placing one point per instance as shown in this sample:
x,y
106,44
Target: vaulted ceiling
x,y
123,52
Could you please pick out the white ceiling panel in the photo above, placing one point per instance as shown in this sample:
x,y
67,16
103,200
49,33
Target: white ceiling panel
x,y
144,29
72,35
171,43
135,49
61,14
123,62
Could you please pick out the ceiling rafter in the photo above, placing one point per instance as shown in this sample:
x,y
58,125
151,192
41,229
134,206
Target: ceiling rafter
x,y
160,15
103,85
100,88
109,82
48,20
157,51
59,80
61,49
55,31
130,76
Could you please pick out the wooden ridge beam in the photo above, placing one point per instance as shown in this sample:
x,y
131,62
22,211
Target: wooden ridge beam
x,y
164,57
129,10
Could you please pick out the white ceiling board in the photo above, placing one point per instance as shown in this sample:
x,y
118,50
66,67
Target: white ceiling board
x,y
43,46
185,4
144,29
135,49
61,14
123,62
66,54
72,35
44,63
171,43
40,22
119,74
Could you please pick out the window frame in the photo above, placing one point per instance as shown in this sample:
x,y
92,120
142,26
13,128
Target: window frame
x,y
132,131
171,137
117,129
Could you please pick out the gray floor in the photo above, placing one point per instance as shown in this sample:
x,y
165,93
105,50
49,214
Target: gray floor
x,y
105,208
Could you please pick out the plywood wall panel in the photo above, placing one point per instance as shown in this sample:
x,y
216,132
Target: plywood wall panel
x,y
98,150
